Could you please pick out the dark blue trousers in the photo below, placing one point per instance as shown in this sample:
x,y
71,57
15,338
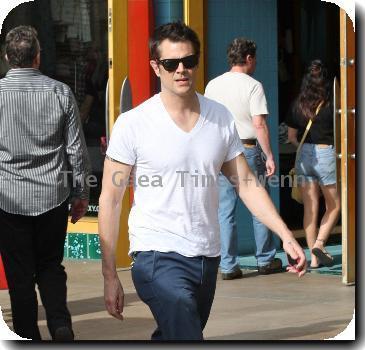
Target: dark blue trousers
x,y
179,291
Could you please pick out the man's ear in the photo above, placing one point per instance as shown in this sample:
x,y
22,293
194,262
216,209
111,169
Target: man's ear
x,y
6,58
249,58
155,67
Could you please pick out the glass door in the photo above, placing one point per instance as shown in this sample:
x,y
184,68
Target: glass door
x,y
74,41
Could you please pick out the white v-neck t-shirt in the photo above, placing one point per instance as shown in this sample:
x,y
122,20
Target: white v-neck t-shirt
x,y
175,207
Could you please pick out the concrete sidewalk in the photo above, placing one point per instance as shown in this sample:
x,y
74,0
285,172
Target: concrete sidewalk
x,y
272,307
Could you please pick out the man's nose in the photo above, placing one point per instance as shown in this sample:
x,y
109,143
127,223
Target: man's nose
x,y
180,67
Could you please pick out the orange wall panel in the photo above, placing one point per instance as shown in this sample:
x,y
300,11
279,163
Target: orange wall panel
x,y
140,27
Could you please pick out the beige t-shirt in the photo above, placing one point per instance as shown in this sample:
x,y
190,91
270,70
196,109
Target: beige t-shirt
x,y
244,97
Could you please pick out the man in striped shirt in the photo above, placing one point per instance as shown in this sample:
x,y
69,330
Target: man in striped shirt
x,y
41,146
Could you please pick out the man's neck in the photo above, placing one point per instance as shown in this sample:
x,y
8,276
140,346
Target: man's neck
x,y
240,69
179,104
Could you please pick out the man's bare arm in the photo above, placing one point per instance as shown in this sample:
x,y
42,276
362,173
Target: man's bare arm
x,y
259,203
292,136
263,137
115,181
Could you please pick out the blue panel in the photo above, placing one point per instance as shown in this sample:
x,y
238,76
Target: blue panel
x,y
256,20
167,11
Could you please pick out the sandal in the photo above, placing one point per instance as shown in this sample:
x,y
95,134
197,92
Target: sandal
x,y
323,257
315,267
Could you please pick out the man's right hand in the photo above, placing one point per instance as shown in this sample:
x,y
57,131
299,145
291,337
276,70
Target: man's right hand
x,y
114,296
78,209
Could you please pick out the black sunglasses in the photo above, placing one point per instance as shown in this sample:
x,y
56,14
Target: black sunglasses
x,y
171,64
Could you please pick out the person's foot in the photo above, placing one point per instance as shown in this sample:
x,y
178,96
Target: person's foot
x,y
315,267
314,261
236,273
63,334
275,266
323,257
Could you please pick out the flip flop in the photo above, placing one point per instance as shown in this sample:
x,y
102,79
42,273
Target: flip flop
x,y
315,267
323,257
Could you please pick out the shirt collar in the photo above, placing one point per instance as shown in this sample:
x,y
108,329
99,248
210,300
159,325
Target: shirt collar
x,y
27,72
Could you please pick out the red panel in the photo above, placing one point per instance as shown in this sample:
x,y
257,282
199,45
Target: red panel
x,y
3,282
141,76
140,26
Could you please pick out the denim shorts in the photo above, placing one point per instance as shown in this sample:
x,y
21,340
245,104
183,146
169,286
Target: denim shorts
x,y
316,163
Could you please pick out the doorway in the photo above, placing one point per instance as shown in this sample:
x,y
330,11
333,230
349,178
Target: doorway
x,y
307,30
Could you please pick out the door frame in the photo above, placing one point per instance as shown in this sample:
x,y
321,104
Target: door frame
x,y
348,187
118,71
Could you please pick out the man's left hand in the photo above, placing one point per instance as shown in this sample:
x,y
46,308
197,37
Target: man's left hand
x,y
78,209
296,252
270,167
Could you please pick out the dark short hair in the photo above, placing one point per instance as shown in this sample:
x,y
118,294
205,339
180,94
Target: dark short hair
x,y
21,46
238,50
175,32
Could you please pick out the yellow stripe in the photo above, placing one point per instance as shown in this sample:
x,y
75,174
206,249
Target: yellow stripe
x,y
84,225
118,55
194,18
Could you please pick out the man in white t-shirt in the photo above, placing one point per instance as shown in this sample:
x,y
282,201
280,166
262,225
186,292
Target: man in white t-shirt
x,y
175,144
245,99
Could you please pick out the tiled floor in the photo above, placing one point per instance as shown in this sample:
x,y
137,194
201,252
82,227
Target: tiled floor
x,y
254,308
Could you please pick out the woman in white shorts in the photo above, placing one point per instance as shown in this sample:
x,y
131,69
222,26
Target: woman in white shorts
x,y
316,165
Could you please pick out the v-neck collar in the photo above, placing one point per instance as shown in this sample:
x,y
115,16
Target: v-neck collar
x,y
197,125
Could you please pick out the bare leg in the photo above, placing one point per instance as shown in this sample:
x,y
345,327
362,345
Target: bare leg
x,y
330,217
310,194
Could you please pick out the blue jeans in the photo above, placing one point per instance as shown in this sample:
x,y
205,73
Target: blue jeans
x,y
265,245
179,291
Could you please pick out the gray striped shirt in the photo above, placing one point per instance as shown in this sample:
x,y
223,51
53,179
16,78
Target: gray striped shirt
x,y
43,153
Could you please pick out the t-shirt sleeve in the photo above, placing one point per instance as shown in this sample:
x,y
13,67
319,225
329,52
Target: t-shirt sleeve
x,y
122,144
207,92
258,103
235,146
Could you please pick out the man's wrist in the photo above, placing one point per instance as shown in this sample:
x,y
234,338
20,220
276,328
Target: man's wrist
x,y
108,267
288,238
82,193
109,273
285,234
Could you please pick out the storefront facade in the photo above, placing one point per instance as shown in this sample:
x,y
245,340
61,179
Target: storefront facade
x,y
89,43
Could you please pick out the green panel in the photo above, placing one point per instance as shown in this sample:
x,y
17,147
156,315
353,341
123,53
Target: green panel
x,y
94,247
82,246
65,247
77,246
